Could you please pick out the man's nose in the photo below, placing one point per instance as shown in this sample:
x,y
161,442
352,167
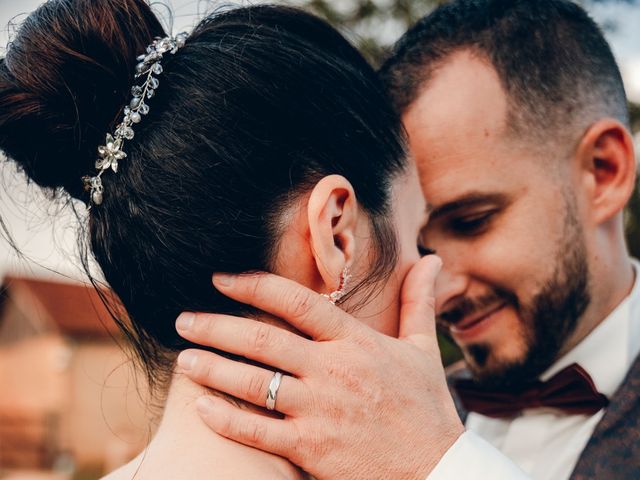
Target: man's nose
x,y
450,285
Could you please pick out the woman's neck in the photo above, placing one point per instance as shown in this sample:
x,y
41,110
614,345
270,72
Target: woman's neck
x,y
184,447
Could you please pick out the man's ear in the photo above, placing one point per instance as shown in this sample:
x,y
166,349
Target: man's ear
x,y
608,162
333,217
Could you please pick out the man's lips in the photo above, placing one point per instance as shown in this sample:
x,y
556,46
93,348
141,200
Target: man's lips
x,y
474,319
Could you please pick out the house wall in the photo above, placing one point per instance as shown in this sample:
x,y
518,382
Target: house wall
x,y
32,374
15,324
32,382
108,421
77,398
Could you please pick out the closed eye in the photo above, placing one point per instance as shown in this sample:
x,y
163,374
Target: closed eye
x,y
424,251
470,225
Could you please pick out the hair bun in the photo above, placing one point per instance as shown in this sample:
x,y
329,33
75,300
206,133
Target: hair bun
x,y
64,79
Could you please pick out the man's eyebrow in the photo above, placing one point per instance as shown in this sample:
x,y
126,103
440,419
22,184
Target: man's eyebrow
x,y
471,199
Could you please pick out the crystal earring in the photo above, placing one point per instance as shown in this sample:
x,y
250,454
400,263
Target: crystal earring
x,y
340,292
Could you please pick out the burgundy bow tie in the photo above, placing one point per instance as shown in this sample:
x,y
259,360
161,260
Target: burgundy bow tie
x,y
571,390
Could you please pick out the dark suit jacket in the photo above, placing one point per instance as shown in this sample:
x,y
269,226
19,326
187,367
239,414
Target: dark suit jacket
x,y
613,451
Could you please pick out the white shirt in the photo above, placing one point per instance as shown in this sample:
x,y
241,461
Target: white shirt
x,y
543,444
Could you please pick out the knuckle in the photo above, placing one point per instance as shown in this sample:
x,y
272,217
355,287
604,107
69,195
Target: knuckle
x,y
299,303
353,382
255,284
297,437
203,325
376,397
297,446
430,302
254,387
253,432
368,344
204,368
316,444
346,375
304,446
335,370
261,338
225,427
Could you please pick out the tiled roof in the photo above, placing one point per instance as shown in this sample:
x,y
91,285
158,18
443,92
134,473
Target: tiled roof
x,y
75,309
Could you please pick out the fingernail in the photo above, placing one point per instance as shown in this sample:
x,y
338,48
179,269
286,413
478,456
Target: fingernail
x,y
440,262
187,360
204,405
222,279
185,321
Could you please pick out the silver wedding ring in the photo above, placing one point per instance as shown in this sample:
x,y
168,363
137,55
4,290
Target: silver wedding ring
x,y
272,393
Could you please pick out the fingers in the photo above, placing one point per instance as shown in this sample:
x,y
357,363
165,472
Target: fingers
x,y
246,382
262,432
259,341
417,310
299,306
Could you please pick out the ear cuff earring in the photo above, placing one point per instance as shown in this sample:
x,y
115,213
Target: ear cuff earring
x,y
341,291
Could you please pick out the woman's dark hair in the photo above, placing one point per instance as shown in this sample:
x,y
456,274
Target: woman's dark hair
x,y
260,104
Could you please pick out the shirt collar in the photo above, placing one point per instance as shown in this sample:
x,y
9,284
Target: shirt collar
x,y
609,350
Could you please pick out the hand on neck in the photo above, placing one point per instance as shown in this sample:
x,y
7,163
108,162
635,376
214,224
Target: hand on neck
x,y
184,447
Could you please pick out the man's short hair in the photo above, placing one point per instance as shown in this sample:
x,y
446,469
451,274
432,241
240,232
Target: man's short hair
x,y
552,59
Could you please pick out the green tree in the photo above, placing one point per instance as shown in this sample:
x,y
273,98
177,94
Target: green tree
x,y
373,25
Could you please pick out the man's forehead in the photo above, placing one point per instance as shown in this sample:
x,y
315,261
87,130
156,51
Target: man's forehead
x,y
463,97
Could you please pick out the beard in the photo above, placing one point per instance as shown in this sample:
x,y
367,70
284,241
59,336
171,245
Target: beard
x,y
549,318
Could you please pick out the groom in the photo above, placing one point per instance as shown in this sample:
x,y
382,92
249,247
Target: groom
x,y
516,115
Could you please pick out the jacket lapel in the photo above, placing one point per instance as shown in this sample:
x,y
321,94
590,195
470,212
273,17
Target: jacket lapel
x,y
613,451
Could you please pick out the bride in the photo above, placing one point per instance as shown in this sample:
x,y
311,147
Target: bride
x,y
260,141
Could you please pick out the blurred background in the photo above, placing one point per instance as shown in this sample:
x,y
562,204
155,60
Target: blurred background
x,y
71,406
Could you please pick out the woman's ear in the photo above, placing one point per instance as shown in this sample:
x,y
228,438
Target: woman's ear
x,y
608,162
333,216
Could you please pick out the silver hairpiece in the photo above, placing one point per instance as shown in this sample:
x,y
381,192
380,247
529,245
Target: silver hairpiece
x,y
111,153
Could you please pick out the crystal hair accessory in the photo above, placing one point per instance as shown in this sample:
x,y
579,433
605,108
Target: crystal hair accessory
x,y
111,153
